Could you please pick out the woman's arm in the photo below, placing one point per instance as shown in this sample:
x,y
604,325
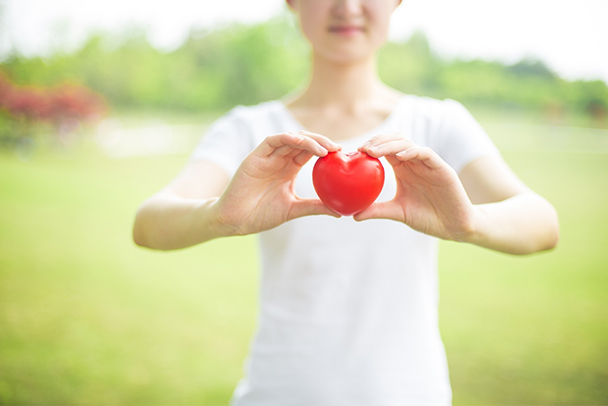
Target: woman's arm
x,y
182,214
202,204
487,205
509,216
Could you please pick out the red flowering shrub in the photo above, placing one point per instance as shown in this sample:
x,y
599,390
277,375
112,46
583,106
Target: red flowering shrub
x,y
73,101
27,107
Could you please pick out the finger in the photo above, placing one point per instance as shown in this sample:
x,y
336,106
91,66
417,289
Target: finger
x,y
296,141
389,148
293,153
393,160
382,210
284,150
322,140
272,142
423,154
309,207
381,139
302,157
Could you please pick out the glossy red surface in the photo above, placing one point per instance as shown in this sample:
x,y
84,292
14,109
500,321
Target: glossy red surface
x,y
348,182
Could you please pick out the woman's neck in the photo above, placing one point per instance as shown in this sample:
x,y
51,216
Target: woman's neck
x,y
348,87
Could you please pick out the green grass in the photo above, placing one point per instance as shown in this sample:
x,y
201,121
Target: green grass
x,y
88,318
534,330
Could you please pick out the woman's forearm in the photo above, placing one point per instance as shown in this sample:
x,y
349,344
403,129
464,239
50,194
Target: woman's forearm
x,y
166,222
523,224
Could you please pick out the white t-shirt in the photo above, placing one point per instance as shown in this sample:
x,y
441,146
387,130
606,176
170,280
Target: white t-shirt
x,y
348,311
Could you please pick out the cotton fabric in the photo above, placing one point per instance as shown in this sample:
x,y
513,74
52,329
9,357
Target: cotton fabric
x,y
348,311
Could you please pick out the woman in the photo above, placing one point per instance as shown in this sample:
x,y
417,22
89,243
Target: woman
x,y
348,308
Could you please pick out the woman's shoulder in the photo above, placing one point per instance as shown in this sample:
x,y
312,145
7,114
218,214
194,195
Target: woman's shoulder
x,y
255,122
429,107
252,113
435,122
432,117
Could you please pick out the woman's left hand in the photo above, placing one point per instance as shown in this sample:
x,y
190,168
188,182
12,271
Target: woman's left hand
x,y
430,197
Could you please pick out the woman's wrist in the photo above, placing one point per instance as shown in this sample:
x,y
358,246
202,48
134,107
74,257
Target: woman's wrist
x,y
472,230
213,223
468,229
523,224
172,222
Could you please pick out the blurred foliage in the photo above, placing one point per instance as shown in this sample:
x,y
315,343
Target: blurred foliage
x,y
529,84
211,70
26,111
240,64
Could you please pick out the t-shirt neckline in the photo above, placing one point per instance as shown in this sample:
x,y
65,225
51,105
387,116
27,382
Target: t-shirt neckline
x,y
364,136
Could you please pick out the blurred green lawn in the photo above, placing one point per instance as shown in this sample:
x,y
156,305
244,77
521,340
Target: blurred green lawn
x,y
88,318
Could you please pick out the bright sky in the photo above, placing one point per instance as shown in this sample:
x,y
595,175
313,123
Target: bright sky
x,y
570,36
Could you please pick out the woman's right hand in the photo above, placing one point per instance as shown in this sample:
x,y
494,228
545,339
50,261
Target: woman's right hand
x,y
261,194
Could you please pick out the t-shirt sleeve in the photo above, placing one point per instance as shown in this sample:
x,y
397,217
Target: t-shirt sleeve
x,y
226,143
460,139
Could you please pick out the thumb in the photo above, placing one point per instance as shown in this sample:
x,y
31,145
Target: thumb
x,y
381,210
310,207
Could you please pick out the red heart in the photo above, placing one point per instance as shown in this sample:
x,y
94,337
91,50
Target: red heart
x,y
348,182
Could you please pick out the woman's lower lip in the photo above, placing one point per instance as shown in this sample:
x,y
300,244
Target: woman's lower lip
x,y
346,31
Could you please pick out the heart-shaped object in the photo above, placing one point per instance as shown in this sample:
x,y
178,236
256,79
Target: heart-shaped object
x,y
348,183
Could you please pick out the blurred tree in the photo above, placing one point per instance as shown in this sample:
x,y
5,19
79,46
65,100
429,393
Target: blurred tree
x,y
531,67
240,64
411,66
